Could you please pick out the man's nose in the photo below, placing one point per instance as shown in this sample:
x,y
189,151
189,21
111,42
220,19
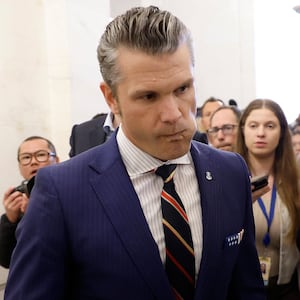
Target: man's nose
x,y
220,134
169,108
34,160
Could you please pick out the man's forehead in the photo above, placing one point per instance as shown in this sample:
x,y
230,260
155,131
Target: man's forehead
x,y
209,106
38,144
224,115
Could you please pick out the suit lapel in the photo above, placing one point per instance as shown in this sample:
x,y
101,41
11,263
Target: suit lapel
x,y
118,198
210,190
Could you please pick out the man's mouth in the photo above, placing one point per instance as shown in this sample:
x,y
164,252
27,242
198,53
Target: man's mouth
x,y
33,172
175,136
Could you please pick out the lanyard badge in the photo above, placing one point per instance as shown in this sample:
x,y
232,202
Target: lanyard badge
x,y
265,261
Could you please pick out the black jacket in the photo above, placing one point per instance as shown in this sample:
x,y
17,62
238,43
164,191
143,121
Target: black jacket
x,y
87,135
7,240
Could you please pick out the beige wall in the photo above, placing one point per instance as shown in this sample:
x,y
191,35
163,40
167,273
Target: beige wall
x,y
34,81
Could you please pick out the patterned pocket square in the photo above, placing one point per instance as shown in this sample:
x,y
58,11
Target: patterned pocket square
x,y
234,239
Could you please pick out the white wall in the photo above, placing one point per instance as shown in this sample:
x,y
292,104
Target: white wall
x,y
277,49
86,21
34,81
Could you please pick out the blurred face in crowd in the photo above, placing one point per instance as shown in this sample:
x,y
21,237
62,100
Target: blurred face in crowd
x,y
296,142
223,129
33,155
207,111
156,101
262,133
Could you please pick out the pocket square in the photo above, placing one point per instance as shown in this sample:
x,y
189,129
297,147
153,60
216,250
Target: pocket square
x,y
234,239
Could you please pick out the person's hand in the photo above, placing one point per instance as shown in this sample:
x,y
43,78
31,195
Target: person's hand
x,y
15,204
25,203
258,193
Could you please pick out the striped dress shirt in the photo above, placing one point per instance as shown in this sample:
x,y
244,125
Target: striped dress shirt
x,y
140,167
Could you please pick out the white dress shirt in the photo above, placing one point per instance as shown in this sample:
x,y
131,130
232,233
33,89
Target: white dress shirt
x,y
148,186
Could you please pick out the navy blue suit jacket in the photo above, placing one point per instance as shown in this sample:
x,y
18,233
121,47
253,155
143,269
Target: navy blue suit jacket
x,y
84,235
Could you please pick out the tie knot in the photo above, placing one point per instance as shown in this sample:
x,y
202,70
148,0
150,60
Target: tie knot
x,y
166,172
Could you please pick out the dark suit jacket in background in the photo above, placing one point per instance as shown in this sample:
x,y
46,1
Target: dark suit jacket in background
x,y
90,134
200,137
84,235
87,135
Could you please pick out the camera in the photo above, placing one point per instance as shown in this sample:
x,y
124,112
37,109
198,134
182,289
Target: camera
x,y
25,187
21,188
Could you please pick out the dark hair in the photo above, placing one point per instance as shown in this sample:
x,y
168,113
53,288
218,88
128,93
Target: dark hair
x,y
209,100
295,127
36,137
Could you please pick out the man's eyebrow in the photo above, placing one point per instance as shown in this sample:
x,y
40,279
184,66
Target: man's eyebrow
x,y
188,81
139,92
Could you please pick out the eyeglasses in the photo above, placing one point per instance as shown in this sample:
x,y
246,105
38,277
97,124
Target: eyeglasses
x,y
226,129
41,156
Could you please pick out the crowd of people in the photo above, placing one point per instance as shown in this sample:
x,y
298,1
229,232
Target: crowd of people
x,y
96,225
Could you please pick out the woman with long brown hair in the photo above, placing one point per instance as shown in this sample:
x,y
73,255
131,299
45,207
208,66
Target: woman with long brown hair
x,y
264,141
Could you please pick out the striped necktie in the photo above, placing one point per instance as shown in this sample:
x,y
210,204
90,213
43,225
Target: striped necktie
x,y
180,259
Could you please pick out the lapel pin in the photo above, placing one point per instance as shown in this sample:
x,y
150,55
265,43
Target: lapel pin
x,y
208,175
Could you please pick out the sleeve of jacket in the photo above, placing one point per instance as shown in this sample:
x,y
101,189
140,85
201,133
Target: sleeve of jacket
x,y
7,240
44,227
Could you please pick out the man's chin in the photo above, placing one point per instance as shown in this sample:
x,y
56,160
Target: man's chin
x,y
172,151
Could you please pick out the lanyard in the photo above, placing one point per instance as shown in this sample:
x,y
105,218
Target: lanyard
x,y
269,218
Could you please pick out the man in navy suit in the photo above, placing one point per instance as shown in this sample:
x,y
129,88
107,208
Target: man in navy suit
x,y
93,228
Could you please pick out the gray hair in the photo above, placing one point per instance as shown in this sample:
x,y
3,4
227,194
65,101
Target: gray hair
x,y
148,29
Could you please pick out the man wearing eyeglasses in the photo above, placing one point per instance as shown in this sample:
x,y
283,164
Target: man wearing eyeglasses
x,y
223,127
34,153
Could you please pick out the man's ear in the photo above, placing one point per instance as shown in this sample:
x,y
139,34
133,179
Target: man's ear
x,y
109,98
